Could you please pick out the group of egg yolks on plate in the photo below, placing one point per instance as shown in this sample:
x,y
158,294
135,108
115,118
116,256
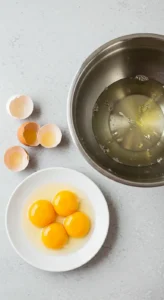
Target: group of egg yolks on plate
x,y
43,213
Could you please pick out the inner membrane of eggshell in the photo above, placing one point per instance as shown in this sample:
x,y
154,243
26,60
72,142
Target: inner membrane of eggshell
x,y
21,107
49,135
16,158
30,134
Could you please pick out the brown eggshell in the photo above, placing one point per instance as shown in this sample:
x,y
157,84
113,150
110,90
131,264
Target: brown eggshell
x,y
55,130
22,130
19,165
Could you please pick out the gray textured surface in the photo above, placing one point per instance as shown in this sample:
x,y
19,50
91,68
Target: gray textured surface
x,y
42,45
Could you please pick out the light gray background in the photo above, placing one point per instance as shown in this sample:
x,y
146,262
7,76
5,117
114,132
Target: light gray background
x,y
42,44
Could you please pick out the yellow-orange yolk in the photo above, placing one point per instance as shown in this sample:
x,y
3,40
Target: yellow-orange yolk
x,y
77,225
41,213
65,203
54,236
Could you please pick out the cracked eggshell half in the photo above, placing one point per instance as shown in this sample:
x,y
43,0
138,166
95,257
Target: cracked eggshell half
x,y
28,134
16,158
20,106
49,136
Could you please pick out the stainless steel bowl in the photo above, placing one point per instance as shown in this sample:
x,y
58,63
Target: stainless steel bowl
x,y
124,57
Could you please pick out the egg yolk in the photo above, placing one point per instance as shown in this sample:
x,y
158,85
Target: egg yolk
x,y
77,225
42,213
54,236
65,203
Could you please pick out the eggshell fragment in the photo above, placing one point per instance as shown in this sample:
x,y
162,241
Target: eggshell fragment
x,y
16,159
20,106
28,134
49,135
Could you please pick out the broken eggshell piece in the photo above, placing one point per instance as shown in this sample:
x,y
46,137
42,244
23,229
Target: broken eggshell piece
x,y
49,135
28,134
20,106
16,159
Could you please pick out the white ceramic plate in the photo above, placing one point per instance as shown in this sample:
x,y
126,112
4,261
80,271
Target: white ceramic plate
x,y
19,239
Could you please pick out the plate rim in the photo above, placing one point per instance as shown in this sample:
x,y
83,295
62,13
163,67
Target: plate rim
x,y
22,256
